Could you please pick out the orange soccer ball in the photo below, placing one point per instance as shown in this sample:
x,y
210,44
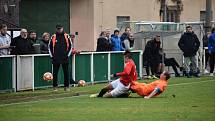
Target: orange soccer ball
x,y
81,83
47,76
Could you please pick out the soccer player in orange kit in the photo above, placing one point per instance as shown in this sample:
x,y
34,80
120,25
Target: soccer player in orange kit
x,y
152,89
120,86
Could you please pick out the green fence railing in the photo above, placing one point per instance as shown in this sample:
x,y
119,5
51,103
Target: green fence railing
x,y
7,73
93,67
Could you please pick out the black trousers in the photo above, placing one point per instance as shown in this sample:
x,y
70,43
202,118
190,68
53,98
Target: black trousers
x,y
172,62
212,62
153,66
207,55
56,67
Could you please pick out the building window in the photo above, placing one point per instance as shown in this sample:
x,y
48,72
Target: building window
x,y
120,21
202,15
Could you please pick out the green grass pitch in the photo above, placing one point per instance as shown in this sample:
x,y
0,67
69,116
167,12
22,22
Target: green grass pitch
x,y
194,101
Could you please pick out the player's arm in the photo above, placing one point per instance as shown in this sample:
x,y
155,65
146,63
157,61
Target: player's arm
x,y
153,93
5,46
50,48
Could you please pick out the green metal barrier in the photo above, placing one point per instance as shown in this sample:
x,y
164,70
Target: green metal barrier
x,y
89,66
100,67
82,67
117,62
7,75
42,64
136,58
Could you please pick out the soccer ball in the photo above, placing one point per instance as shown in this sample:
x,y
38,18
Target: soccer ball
x,y
47,76
81,83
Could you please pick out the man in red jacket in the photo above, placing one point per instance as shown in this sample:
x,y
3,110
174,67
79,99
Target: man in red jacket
x,y
120,86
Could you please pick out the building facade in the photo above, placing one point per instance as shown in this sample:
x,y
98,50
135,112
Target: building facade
x,y
90,17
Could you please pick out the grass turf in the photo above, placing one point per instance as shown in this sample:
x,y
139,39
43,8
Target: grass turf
x,y
192,102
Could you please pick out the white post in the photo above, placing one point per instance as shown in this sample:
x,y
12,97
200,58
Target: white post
x,y
141,64
73,66
109,67
18,78
14,73
92,69
32,73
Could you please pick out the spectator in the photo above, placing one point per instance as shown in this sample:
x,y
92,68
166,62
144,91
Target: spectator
x,y
189,44
151,56
205,40
169,62
116,41
102,43
44,43
4,40
32,35
125,35
129,43
107,30
211,49
21,45
60,49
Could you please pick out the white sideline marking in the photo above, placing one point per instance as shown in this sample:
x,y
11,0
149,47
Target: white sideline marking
x,y
191,83
3,105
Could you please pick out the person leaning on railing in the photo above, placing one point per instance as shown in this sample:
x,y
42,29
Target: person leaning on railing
x,y
44,43
21,45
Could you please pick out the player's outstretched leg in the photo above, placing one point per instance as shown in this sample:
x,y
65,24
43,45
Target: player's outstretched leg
x,y
105,90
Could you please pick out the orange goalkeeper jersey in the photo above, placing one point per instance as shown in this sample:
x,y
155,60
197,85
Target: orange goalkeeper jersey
x,y
143,89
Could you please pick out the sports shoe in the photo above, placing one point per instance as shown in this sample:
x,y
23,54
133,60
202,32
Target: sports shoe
x,y
94,95
55,89
211,74
149,77
154,77
206,71
67,89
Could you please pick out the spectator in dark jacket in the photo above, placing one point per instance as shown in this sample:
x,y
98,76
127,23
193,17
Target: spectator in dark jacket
x,y
125,35
115,40
44,43
189,44
102,43
32,35
151,56
21,45
60,49
211,49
